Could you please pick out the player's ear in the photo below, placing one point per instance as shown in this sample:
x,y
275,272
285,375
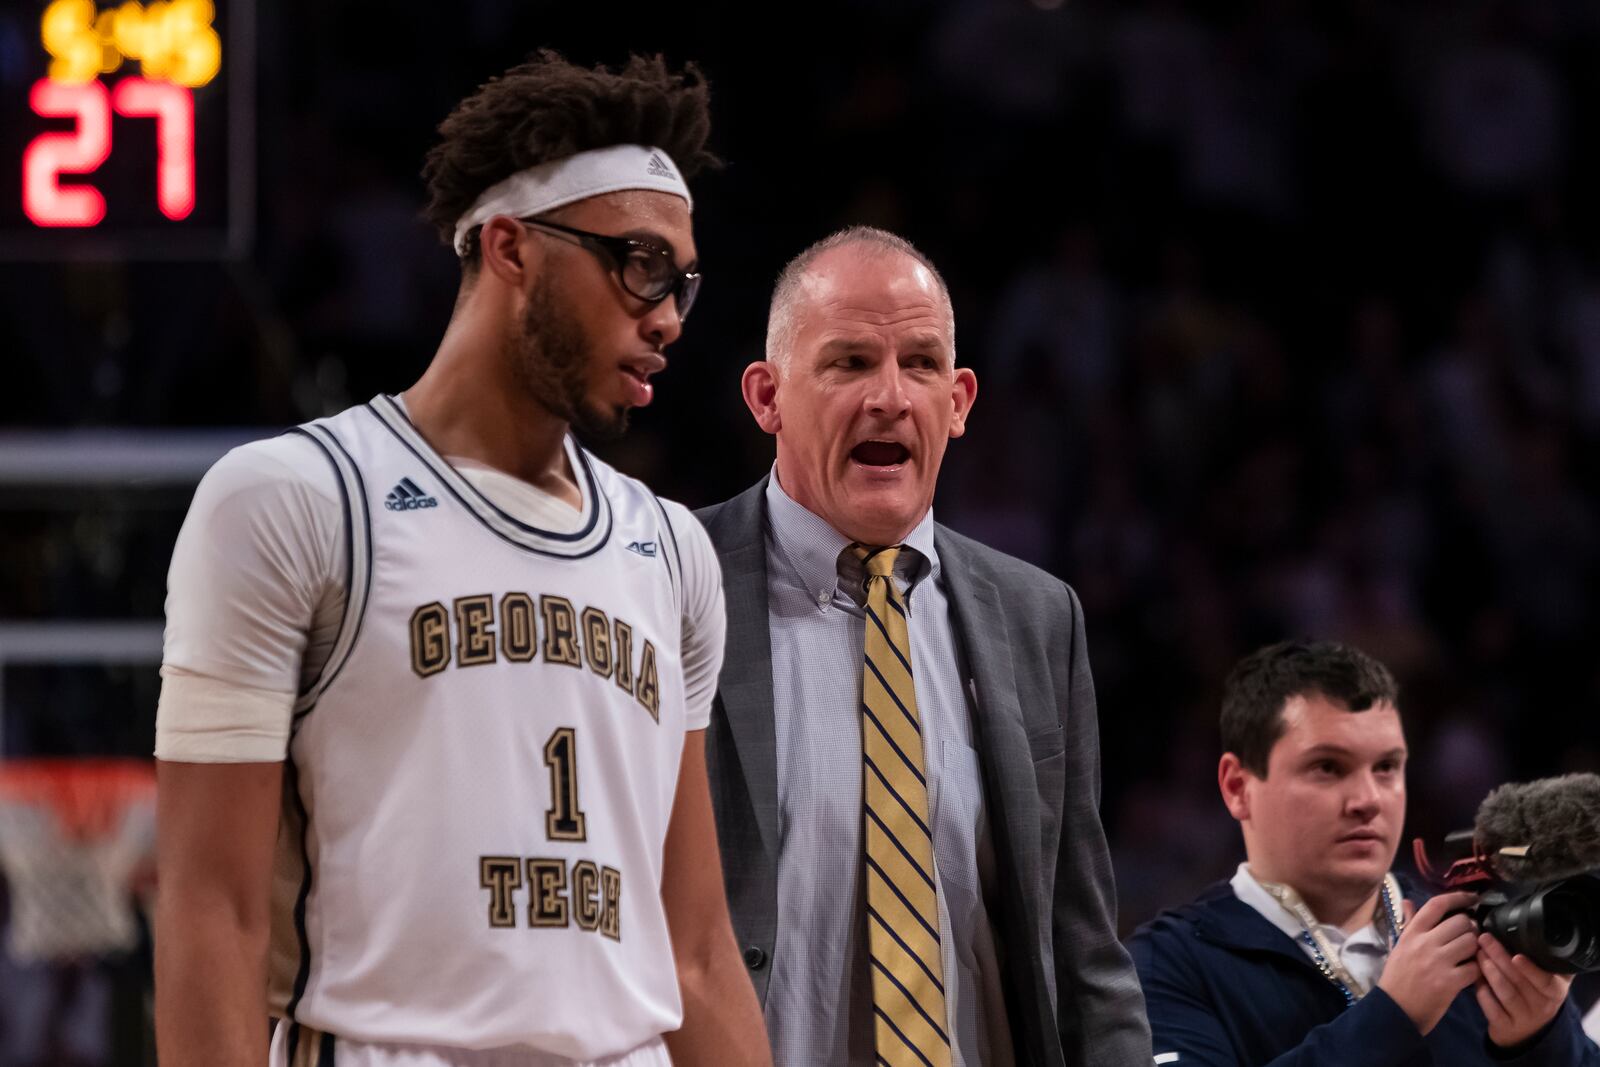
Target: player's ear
x,y
760,388
503,253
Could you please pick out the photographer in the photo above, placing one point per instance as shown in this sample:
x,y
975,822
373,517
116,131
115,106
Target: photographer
x,y
1299,959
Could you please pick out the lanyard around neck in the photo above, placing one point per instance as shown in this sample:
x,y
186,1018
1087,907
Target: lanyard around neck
x,y
1323,954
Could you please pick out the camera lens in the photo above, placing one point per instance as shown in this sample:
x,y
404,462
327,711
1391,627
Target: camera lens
x,y
1563,916
1556,925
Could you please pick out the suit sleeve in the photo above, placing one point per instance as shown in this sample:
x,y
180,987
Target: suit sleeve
x,y
1189,1031
1100,1011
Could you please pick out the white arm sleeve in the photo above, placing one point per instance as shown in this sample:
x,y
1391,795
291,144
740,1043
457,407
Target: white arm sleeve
x,y
705,618
255,594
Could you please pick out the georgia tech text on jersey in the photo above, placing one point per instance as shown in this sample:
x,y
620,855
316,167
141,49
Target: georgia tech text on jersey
x,y
571,638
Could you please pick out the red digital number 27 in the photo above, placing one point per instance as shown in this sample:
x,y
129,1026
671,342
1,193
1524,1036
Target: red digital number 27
x,y
48,203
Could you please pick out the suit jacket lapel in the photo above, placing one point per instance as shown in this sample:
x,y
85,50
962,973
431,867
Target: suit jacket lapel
x,y
1013,797
745,686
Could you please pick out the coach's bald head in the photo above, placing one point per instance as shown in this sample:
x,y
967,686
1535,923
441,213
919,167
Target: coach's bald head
x,y
860,385
790,293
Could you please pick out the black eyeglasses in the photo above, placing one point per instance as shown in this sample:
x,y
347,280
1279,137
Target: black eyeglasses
x,y
644,270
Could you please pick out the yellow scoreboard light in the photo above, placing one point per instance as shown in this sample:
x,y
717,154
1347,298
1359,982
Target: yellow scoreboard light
x,y
134,139
174,41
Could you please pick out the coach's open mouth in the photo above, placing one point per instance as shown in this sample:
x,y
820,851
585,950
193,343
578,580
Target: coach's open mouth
x,y
880,453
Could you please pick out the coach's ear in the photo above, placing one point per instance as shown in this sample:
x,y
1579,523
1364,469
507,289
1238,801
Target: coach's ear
x,y
963,391
760,388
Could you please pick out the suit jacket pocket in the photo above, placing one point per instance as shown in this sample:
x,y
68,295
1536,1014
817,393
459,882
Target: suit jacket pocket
x,y
1051,741
1050,773
1049,750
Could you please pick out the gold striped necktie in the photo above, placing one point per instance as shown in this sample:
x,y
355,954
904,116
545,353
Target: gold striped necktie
x,y
902,903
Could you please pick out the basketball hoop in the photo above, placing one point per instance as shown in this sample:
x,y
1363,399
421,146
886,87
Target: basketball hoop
x,y
75,837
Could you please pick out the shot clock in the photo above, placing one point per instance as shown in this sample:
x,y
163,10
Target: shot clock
x,y
129,133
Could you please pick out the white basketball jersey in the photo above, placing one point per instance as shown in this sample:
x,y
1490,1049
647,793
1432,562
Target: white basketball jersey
x,y
478,786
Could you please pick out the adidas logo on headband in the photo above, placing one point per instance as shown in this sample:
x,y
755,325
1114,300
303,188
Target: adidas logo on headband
x,y
548,186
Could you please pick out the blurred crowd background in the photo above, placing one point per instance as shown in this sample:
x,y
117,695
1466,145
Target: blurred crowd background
x,y
1286,317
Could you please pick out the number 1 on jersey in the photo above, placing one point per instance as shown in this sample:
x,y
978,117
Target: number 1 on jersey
x,y
563,822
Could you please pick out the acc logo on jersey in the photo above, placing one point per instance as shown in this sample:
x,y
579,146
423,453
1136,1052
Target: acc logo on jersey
x,y
646,549
405,496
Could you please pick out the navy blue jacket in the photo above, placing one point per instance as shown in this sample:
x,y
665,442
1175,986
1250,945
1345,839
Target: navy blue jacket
x,y
1226,988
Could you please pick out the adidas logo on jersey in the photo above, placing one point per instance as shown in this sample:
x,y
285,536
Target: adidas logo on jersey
x,y
405,496
658,167
646,549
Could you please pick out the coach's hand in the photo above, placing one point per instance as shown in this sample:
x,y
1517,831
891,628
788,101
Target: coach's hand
x,y
1517,997
1434,959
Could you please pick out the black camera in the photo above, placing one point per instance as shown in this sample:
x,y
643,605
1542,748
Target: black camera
x,y
1555,923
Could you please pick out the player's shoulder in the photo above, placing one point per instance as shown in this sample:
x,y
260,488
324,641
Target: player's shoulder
x,y
683,520
347,427
694,543
279,491
632,499
629,496
295,457
611,481
288,463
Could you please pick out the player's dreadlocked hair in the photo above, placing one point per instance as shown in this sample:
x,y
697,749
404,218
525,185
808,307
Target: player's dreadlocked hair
x,y
547,109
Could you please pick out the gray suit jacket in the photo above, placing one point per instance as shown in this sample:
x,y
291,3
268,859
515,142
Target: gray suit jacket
x,y
1071,993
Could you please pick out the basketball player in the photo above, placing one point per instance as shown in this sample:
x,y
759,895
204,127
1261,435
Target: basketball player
x,y
432,781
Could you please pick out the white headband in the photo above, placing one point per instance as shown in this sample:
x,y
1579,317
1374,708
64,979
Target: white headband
x,y
563,181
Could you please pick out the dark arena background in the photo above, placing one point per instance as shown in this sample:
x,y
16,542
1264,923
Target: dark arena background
x,y
1286,318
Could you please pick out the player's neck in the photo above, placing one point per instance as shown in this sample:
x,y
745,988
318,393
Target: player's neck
x,y
464,410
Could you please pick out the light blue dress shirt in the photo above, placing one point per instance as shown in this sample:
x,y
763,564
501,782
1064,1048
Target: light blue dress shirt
x,y
819,997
